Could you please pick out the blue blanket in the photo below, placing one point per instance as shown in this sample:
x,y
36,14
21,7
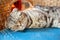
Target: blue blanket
x,y
31,34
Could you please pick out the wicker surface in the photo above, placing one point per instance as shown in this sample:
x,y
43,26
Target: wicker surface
x,y
46,2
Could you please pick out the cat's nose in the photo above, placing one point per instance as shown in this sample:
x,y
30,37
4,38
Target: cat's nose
x,y
12,29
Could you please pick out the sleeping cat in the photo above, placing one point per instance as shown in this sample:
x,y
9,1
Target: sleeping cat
x,y
35,17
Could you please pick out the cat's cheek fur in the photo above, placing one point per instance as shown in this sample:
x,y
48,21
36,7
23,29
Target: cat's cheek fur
x,y
15,28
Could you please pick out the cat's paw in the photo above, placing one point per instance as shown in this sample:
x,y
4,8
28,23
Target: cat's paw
x,y
58,25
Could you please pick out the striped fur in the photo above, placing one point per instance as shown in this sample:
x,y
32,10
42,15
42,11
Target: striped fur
x,y
36,17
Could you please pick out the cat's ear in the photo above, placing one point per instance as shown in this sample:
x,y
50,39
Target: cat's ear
x,y
30,2
15,10
23,14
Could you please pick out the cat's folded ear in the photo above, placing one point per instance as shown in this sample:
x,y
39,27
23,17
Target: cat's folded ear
x,y
29,2
24,14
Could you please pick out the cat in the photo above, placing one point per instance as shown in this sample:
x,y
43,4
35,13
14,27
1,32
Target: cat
x,y
35,17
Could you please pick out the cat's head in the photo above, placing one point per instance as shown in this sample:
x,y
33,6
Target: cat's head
x,y
21,23
17,20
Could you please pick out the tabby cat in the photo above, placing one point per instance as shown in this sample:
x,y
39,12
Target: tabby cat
x,y
35,17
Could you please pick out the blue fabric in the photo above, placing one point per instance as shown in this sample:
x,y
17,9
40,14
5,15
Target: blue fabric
x,y
31,34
